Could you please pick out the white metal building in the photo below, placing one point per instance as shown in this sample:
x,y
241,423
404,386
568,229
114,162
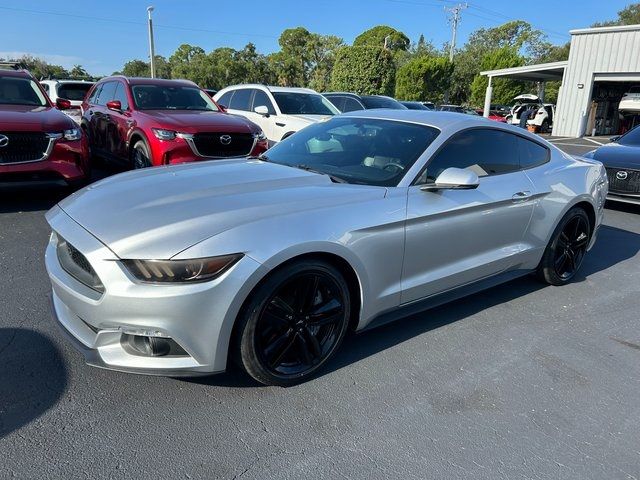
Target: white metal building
x,y
604,63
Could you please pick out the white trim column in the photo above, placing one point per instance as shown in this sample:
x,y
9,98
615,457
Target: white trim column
x,y
487,98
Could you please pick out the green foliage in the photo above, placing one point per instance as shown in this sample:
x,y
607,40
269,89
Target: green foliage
x,y
365,70
630,15
375,37
517,35
424,78
503,89
140,68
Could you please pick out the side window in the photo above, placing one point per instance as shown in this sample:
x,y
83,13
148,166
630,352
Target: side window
x,y
484,151
531,153
93,98
46,87
338,101
225,99
121,95
261,98
351,105
241,100
106,93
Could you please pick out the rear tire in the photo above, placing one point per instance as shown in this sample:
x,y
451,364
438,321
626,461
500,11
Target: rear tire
x,y
293,323
566,250
141,155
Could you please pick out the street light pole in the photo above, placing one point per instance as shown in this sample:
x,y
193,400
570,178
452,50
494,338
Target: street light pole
x,y
152,53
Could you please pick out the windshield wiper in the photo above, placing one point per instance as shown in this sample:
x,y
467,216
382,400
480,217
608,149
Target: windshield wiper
x,y
313,170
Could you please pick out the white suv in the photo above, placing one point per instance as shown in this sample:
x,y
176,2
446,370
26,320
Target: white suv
x,y
279,111
630,101
72,90
543,116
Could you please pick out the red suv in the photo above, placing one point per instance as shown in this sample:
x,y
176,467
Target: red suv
x,y
144,122
38,143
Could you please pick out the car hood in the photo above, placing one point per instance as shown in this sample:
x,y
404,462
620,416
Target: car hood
x,y
159,212
26,118
191,122
616,155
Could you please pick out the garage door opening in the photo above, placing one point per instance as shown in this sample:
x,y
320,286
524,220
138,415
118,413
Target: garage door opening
x,y
607,115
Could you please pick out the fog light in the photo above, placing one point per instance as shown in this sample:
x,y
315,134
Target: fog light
x,y
151,346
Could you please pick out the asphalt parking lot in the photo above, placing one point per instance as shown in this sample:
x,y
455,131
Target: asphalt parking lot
x,y
520,381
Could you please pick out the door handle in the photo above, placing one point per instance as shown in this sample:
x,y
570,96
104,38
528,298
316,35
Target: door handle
x,y
281,124
521,196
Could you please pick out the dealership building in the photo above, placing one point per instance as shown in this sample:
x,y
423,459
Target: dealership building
x,y
603,65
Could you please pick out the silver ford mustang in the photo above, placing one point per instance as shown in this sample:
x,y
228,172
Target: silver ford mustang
x,y
347,224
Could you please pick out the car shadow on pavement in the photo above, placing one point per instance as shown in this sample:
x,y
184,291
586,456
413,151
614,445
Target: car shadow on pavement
x,y
33,377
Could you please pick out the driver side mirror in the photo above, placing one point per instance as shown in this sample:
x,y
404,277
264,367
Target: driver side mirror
x,y
262,110
114,105
63,104
453,179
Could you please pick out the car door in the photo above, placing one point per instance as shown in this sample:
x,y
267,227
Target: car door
x,y
456,237
266,122
89,119
119,124
100,117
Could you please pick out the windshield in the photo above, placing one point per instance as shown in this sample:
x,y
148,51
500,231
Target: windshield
x,y
73,91
631,138
21,91
295,103
356,150
163,97
382,102
415,106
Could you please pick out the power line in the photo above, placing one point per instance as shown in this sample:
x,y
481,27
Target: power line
x,y
132,22
454,20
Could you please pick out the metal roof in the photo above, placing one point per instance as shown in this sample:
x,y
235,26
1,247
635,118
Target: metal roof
x,y
596,30
534,73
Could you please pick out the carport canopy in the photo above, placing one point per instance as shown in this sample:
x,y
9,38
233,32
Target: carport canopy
x,y
540,73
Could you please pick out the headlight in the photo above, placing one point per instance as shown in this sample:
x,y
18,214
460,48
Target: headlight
x,y
72,134
164,134
260,136
180,271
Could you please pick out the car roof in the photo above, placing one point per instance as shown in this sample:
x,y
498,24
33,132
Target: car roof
x,y
15,73
52,80
149,81
271,88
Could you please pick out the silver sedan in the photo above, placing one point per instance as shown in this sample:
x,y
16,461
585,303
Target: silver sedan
x,y
347,224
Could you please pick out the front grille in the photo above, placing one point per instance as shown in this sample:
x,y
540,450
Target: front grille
x,y
23,147
76,264
630,184
215,144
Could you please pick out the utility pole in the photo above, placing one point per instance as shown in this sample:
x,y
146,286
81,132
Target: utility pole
x,y
454,20
152,52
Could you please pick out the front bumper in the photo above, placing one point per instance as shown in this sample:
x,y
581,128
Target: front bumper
x,y
183,150
198,317
67,163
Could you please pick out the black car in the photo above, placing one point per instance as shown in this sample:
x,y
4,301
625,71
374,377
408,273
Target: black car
x,y
621,158
417,105
349,102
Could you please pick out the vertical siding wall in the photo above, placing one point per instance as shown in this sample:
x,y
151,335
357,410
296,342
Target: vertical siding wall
x,y
593,51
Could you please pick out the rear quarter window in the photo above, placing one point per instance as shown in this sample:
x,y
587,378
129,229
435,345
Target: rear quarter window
x,y
531,153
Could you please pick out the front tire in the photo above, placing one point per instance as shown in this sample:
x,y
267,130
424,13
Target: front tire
x,y
141,155
293,323
567,248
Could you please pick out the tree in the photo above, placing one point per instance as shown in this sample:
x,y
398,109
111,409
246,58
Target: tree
x,y
503,89
136,68
39,68
366,70
517,34
630,15
424,78
78,72
191,63
375,37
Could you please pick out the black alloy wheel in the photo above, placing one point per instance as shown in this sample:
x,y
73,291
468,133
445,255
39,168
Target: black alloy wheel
x,y
571,247
566,250
141,157
294,323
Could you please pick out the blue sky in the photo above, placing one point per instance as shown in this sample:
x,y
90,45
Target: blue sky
x,y
102,35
